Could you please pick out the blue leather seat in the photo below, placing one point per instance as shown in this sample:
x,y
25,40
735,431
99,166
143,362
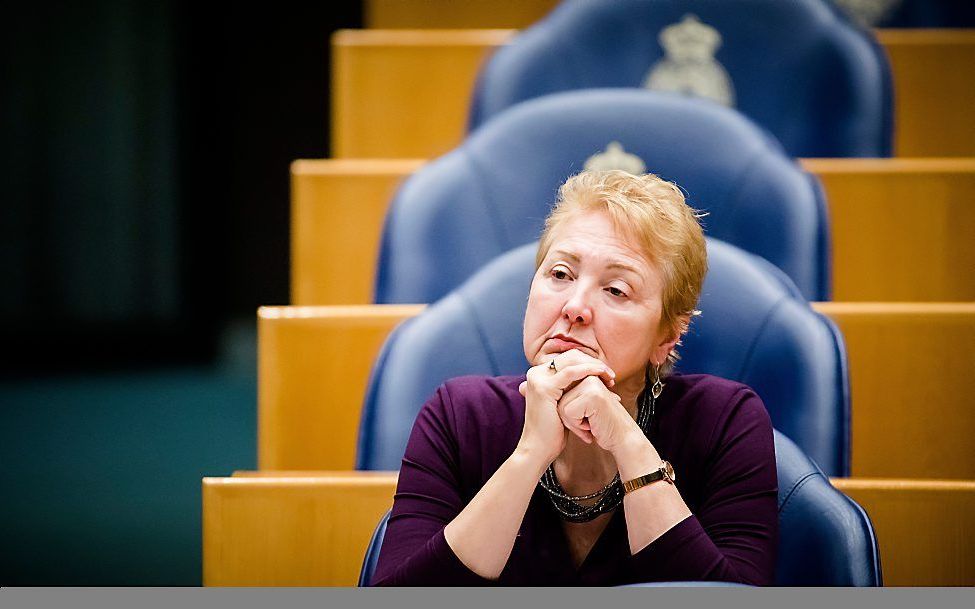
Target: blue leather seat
x,y
912,13
801,69
825,538
493,192
755,328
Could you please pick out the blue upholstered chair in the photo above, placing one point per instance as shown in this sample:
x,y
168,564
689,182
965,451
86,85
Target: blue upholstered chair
x,y
911,13
801,69
493,192
755,328
825,538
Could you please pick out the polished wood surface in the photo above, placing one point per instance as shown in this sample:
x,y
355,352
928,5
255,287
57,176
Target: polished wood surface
x,y
925,528
910,372
313,368
934,91
405,93
406,14
912,377
291,530
902,229
337,211
883,248
312,529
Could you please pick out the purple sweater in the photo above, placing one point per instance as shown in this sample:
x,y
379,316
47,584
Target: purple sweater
x,y
715,432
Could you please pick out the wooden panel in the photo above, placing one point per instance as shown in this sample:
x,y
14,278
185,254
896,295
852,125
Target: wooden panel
x,y
398,14
404,93
337,211
313,366
925,529
901,228
912,376
934,91
312,528
883,249
309,406
284,530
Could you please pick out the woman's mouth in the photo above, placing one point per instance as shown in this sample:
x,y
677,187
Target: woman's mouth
x,y
562,343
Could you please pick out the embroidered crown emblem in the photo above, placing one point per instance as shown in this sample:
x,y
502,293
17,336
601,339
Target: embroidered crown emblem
x,y
614,157
870,12
688,65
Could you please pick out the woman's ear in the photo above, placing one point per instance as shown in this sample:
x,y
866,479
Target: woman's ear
x,y
670,338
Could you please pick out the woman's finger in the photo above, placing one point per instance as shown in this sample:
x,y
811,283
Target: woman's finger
x,y
576,372
584,434
577,425
575,356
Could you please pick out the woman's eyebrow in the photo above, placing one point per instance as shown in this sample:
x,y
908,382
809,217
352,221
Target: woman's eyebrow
x,y
625,267
567,254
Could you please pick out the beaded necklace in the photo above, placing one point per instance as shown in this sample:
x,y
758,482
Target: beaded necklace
x,y
610,496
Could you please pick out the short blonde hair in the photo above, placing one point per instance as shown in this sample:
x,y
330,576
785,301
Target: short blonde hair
x,y
652,212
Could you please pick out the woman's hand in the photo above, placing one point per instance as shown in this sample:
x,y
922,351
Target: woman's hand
x,y
593,412
596,414
544,433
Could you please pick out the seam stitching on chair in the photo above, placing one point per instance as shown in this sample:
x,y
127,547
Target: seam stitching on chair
x,y
758,335
495,369
504,241
795,487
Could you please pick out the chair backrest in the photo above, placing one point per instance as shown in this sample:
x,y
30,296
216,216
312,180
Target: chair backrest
x,y
493,192
755,328
911,13
802,69
825,538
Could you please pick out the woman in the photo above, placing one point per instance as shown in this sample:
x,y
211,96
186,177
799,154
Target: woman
x,y
598,466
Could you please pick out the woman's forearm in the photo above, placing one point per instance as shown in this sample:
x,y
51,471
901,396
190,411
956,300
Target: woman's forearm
x,y
483,533
651,510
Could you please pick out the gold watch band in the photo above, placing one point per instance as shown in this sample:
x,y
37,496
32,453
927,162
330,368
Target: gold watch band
x,y
666,472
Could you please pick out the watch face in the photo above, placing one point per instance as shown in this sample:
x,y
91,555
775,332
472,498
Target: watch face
x,y
669,469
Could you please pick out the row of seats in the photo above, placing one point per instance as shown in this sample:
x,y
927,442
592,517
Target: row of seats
x,y
405,93
309,414
882,249
518,14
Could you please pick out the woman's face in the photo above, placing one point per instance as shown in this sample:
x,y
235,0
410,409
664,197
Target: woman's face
x,y
595,291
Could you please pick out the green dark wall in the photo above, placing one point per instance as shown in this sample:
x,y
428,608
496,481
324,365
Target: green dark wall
x,y
144,152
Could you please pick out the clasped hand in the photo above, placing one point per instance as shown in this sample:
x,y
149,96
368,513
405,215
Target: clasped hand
x,y
575,398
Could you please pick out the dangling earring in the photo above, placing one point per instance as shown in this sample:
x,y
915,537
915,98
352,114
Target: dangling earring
x,y
658,386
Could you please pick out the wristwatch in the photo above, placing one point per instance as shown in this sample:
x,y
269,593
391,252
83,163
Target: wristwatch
x,y
666,472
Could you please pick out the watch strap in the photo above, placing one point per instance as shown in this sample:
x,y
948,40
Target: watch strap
x,y
640,481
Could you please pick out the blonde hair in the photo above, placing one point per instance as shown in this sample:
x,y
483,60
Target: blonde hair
x,y
652,212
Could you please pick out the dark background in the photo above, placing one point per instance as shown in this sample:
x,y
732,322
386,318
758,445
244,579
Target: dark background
x,y
145,153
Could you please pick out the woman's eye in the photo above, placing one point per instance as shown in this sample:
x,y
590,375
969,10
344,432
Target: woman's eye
x,y
616,291
559,274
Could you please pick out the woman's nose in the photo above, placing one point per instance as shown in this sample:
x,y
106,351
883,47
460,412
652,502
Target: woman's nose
x,y
577,309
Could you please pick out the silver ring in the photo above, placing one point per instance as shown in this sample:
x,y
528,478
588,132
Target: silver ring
x,y
551,366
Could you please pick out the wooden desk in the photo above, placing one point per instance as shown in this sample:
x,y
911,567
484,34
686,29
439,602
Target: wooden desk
x,y
451,14
925,528
284,529
313,367
406,93
912,377
312,528
884,249
934,91
910,371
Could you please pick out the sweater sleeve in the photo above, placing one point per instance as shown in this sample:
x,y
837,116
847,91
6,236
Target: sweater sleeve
x,y
428,496
733,534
